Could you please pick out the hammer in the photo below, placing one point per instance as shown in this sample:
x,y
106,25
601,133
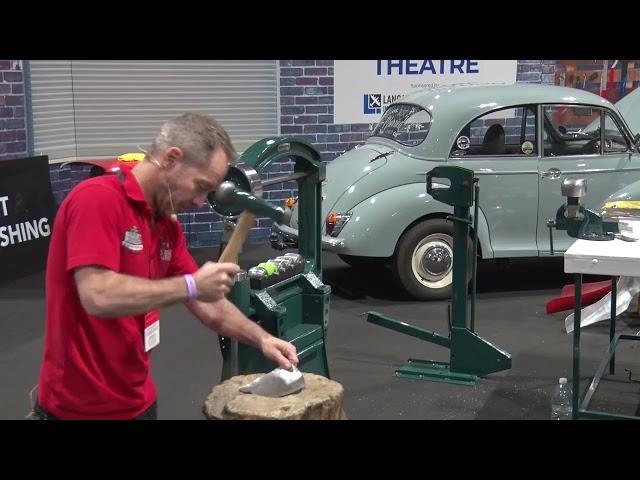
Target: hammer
x,y
230,254
239,235
229,194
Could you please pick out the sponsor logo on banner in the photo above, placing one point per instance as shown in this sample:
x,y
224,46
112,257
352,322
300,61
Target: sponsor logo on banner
x,y
372,103
377,103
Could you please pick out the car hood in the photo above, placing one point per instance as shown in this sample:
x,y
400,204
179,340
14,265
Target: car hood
x,y
624,202
629,107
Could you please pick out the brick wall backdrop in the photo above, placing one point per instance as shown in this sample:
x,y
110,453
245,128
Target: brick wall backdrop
x,y
306,109
13,128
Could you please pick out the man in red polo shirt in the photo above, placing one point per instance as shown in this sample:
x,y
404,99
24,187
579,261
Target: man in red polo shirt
x,y
116,256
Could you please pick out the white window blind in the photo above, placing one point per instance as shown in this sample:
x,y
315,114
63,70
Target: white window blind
x,y
83,108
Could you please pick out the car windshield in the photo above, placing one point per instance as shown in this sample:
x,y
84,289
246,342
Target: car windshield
x,y
405,124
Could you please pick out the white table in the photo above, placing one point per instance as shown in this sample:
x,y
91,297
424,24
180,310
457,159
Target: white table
x,y
607,257
612,258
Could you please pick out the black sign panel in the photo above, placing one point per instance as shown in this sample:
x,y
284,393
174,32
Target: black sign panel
x,y
27,208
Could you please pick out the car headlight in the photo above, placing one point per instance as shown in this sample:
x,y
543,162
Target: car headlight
x,y
335,223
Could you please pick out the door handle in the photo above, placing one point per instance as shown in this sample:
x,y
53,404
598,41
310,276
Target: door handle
x,y
552,173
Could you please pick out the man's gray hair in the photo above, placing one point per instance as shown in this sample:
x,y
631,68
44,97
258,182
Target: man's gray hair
x,y
197,135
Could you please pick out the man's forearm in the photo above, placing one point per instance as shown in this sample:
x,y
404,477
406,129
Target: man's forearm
x,y
226,319
117,294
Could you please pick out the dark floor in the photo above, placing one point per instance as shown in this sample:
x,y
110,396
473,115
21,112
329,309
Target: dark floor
x,y
362,356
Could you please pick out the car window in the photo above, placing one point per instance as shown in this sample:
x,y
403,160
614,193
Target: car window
x,y
405,124
614,139
510,132
571,130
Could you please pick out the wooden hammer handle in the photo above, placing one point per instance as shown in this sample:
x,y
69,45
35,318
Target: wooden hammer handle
x,y
239,235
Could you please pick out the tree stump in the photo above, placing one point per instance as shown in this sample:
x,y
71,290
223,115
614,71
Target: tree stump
x,y
320,399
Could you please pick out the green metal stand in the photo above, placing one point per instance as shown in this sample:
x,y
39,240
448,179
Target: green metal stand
x,y
295,309
581,408
471,356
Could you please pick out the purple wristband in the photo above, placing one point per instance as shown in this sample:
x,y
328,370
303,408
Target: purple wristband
x,y
192,290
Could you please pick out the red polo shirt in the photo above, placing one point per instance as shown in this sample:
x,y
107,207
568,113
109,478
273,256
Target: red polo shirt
x,y
97,368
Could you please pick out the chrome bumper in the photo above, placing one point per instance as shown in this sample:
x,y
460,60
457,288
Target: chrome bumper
x,y
330,244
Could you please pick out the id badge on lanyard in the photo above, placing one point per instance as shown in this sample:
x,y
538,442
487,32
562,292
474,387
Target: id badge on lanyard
x,y
151,330
151,319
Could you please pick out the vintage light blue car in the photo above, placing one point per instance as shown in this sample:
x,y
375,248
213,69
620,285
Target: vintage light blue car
x,y
520,140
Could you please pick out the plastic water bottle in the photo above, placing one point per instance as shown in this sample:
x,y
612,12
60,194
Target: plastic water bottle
x,y
561,401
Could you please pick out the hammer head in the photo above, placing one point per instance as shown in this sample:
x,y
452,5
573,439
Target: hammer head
x,y
225,191
229,197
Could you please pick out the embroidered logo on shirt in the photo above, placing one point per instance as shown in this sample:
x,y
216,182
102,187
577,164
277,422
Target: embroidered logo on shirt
x,y
132,239
165,250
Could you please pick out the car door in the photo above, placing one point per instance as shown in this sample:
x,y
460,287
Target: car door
x,y
501,148
580,142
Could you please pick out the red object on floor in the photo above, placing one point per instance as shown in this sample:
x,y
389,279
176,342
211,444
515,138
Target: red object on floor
x,y
591,293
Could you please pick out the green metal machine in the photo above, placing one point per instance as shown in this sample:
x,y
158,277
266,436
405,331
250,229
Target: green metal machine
x,y
471,356
578,221
290,303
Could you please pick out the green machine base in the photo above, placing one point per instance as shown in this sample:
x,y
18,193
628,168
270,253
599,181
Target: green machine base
x,y
471,356
295,309
434,372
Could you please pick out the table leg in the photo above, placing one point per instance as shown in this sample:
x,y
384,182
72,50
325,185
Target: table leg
x,y
577,304
612,322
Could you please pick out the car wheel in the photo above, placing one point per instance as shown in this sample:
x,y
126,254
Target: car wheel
x,y
362,262
423,263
